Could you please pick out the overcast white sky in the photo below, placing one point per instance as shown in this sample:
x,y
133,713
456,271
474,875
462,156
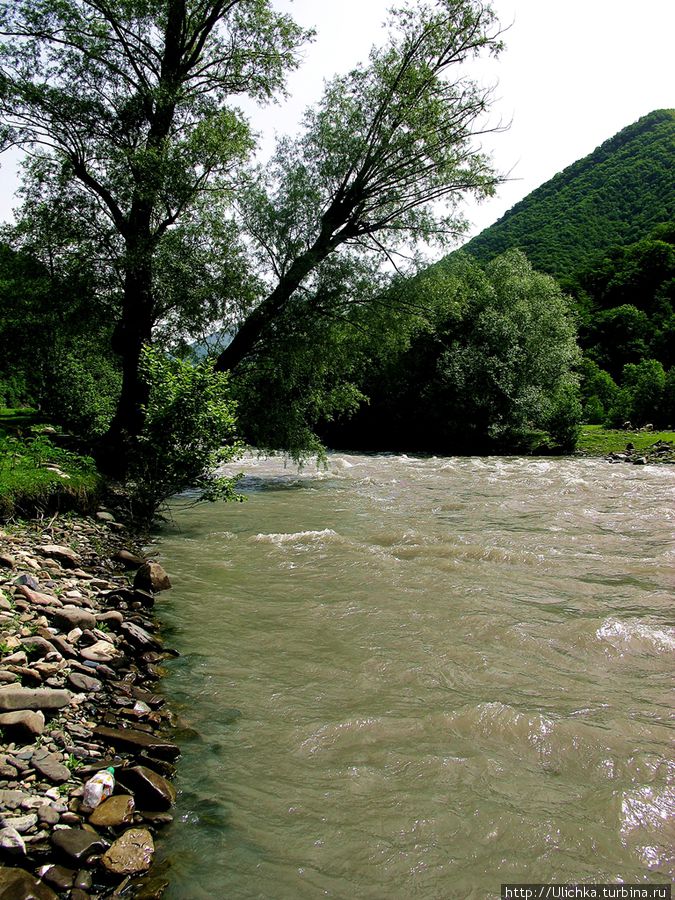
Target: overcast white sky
x,y
574,72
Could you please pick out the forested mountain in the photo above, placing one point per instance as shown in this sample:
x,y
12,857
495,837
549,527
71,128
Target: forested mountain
x,y
614,196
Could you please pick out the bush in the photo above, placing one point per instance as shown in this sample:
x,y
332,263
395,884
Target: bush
x,y
565,416
189,430
82,391
645,382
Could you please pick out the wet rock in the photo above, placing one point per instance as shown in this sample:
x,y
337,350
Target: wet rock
x,y
11,842
17,884
84,683
135,740
50,766
83,880
67,557
151,888
78,844
57,876
129,559
152,577
152,792
16,698
114,811
23,722
139,638
131,853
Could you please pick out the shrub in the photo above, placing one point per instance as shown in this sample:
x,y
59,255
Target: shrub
x,y
82,391
189,431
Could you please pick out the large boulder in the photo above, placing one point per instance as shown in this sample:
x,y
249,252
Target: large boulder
x,y
152,577
131,853
17,884
12,698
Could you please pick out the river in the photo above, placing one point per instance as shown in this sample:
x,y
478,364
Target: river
x,y
420,678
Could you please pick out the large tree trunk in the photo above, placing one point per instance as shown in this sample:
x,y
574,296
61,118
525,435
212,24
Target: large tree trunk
x,y
263,315
133,332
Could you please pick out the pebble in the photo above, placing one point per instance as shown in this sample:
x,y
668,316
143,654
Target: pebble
x,y
78,637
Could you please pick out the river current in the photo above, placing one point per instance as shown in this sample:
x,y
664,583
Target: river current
x,y
420,678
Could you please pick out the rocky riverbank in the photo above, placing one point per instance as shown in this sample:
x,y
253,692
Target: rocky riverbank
x,y
659,452
79,662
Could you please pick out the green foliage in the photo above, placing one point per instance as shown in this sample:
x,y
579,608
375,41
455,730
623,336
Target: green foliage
x,y
491,365
645,383
83,391
28,486
381,166
189,431
596,440
598,391
614,196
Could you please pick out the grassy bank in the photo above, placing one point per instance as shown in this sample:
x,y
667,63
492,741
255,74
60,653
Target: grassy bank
x,y
36,475
595,440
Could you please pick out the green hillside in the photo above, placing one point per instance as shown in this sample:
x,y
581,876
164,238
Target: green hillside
x,y
614,196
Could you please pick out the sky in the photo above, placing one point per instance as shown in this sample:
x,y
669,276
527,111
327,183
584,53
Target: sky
x,y
574,72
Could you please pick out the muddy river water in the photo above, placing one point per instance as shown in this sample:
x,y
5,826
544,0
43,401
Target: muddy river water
x,y
420,678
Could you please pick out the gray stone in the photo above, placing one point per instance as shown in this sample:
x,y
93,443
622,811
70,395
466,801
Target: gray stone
x,y
21,823
29,580
11,799
12,843
104,516
78,844
152,577
70,617
64,555
47,814
131,853
50,766
14,698
84,683
23,722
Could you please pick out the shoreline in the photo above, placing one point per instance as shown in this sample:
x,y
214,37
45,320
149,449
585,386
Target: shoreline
x,y
79,663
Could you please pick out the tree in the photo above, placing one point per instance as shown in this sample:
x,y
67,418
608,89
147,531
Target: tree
x,y
389,143
493,363
127,102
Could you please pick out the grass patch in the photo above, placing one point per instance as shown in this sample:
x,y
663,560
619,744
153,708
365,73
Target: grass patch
x,y
38,476
595,440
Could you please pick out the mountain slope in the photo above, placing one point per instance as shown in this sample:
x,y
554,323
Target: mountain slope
x,y
613,196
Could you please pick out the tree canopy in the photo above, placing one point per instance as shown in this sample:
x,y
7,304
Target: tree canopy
x,y
128,103
382,163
